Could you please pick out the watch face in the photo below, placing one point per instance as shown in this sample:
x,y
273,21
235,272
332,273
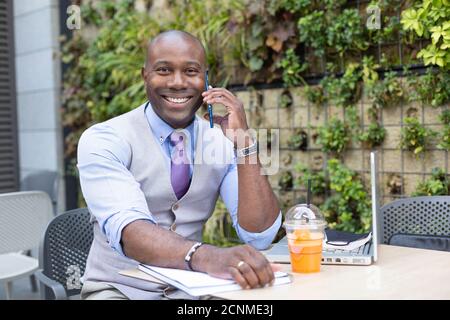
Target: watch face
x,y
247,151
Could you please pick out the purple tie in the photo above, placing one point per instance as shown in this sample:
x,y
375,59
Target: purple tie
x,y
180,176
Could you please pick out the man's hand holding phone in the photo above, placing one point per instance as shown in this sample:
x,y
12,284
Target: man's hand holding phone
x,y
234,123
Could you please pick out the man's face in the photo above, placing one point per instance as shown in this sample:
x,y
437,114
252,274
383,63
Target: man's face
x,y
174,79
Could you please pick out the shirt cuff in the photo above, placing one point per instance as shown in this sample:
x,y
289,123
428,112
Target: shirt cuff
x,y
116,223
260,240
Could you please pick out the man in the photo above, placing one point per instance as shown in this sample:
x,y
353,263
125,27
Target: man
x,y
150,195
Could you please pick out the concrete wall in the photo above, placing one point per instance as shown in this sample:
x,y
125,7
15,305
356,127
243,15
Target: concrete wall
x,y
38,75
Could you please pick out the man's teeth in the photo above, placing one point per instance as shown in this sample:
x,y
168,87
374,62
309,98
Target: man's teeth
x,y
177,100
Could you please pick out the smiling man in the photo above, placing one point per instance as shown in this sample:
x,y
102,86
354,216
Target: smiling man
x,y
150,193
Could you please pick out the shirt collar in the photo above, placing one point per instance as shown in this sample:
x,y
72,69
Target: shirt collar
x,y
160,128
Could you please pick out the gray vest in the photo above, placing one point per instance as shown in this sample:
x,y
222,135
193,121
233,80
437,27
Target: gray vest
x,y
186,216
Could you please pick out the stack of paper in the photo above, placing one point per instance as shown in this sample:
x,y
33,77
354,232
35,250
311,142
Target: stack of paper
x,y
198,283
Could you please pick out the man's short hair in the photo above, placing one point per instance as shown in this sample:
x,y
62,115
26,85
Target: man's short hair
x,y
181,33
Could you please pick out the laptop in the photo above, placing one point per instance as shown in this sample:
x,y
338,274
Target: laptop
x,y
364,255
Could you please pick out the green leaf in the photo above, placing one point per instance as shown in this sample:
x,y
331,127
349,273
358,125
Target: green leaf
x,y
432,55
255,63
445,45
411,20
437,33
446,25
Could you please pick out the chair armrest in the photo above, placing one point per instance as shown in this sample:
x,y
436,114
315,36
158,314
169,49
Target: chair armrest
x,y
55,286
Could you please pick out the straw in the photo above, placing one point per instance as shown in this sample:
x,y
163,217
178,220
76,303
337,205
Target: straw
x,y
308,194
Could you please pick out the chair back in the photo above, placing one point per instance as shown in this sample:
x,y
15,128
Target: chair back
x,y
23,218
426,216
43,180
65,247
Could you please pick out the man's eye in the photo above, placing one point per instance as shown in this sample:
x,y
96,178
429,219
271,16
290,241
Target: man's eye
x,y
163,70
191,71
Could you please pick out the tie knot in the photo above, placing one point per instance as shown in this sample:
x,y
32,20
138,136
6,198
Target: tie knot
x,y
177,138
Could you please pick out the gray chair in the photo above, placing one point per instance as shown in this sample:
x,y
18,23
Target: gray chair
x,y
63,253
46,181
23,218
420,222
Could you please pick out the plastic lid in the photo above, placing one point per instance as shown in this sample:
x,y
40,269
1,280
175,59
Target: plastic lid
x,y
303,215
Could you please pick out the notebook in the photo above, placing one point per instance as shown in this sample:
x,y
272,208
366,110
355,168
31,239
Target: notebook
x,y
199,283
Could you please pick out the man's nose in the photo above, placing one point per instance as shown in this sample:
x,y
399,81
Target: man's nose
x,y
177,81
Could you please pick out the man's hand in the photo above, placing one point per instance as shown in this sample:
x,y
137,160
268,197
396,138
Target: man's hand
x,y
248,267
234,123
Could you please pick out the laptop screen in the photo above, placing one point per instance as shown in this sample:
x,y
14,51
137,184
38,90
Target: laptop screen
x,y
375,203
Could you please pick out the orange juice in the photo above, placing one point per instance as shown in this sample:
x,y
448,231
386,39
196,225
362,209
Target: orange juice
x,y
305,248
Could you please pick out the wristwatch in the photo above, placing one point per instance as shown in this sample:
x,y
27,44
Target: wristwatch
x,y
244,152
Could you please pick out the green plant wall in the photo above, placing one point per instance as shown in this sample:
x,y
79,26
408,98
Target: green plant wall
x,y
289,44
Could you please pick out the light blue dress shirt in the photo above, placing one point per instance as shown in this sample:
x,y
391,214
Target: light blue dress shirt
x,y
113,195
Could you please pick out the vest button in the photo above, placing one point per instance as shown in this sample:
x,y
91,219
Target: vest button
x,y
175,207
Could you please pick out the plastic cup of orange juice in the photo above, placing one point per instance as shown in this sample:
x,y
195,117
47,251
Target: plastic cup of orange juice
x,y
305,226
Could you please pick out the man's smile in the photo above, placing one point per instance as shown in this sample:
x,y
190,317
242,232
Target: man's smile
x,y
177,100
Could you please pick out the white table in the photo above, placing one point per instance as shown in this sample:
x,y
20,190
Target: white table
x,y
400,273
